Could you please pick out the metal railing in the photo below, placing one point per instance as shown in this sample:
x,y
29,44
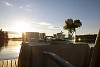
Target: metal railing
x,y
61,62
9,63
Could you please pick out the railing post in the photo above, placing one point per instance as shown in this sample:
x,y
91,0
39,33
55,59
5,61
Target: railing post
x,y
2,63
7,64
11,63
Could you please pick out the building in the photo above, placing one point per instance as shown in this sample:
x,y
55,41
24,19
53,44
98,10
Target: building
x,y
59,36
42,36
33,36
86,38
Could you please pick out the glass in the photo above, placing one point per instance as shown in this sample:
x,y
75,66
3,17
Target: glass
x,y
71,35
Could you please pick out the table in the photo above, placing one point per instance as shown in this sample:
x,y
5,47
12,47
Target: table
x,y
31,54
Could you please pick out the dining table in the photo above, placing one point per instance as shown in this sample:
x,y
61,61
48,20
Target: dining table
x,y
31,54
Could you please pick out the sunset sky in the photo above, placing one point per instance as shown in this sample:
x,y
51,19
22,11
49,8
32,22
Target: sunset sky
x,y
49,15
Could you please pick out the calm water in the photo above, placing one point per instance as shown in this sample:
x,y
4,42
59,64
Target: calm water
x,y
10,50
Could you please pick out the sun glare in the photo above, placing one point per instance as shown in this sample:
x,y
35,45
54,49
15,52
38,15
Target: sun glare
x,y
21,26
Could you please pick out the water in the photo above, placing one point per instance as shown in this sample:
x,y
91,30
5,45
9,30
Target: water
x,y
10,50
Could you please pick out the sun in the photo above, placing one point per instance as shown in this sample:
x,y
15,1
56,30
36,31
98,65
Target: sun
x,y
21,26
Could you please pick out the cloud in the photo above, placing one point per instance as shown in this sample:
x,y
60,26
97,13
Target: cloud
x,y
28,6
25,7
28,9
44,23
21,7
8,4
48,28
44,26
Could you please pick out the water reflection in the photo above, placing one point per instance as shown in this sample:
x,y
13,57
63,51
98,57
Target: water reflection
x,y
3,44
10,49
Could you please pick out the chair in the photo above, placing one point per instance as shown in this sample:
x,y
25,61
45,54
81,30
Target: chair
x,y
95,59
61,62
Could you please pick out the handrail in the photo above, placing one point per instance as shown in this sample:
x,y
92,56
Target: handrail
x,y
56,58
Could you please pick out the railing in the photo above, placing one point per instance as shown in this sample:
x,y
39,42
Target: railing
x,y
61,62
9,63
